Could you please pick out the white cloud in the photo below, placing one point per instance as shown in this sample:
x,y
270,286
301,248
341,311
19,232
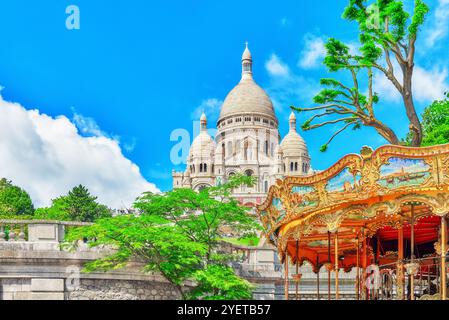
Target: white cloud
x,y
47,157
276,67
211,107
440,26
428,85
313,53
287,88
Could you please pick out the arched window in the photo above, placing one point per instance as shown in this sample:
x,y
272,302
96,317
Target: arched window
x,y
291,166
266,186
201,167
223,150
249,173
205,167
266,148
296,166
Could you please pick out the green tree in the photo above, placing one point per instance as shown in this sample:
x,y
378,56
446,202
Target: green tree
x,y
219,282
14,201
148,238
178,234
78,205
435,122
387,36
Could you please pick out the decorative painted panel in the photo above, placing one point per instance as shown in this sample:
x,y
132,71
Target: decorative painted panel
x,y
345,181
400,172
304,196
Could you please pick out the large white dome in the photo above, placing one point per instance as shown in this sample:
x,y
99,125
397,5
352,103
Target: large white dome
x,y
247,97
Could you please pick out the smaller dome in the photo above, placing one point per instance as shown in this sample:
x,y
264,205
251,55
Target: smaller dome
x,y
203,146
293,144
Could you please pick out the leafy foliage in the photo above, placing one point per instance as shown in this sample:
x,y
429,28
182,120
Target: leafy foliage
x,y
14,201
218,282
78,205
178,235
436,123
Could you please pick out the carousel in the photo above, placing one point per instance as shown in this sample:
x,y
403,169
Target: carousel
x,y
381,212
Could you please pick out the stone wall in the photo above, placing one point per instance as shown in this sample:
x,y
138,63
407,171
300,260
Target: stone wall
x,y
86,289
122,290
40,270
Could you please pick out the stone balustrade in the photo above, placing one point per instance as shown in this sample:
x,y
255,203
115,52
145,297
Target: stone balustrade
x,y
34,266
35,230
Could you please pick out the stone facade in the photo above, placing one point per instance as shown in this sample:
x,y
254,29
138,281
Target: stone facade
x,y
88,289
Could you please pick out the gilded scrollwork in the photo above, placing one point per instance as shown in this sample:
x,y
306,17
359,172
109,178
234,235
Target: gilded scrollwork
x,y
364,187
332,221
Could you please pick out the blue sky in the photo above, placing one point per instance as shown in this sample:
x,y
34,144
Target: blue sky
x,y
137,70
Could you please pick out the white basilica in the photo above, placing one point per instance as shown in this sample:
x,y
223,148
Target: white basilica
x,y
247,142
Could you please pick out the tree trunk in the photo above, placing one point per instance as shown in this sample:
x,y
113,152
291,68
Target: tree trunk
x,y
384,131
415,124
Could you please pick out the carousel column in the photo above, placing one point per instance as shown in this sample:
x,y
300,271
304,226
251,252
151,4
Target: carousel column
x,y
318,277
297,271
337,267
443,257
329,266
412,254
287,284
364,266
357,280
400,265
